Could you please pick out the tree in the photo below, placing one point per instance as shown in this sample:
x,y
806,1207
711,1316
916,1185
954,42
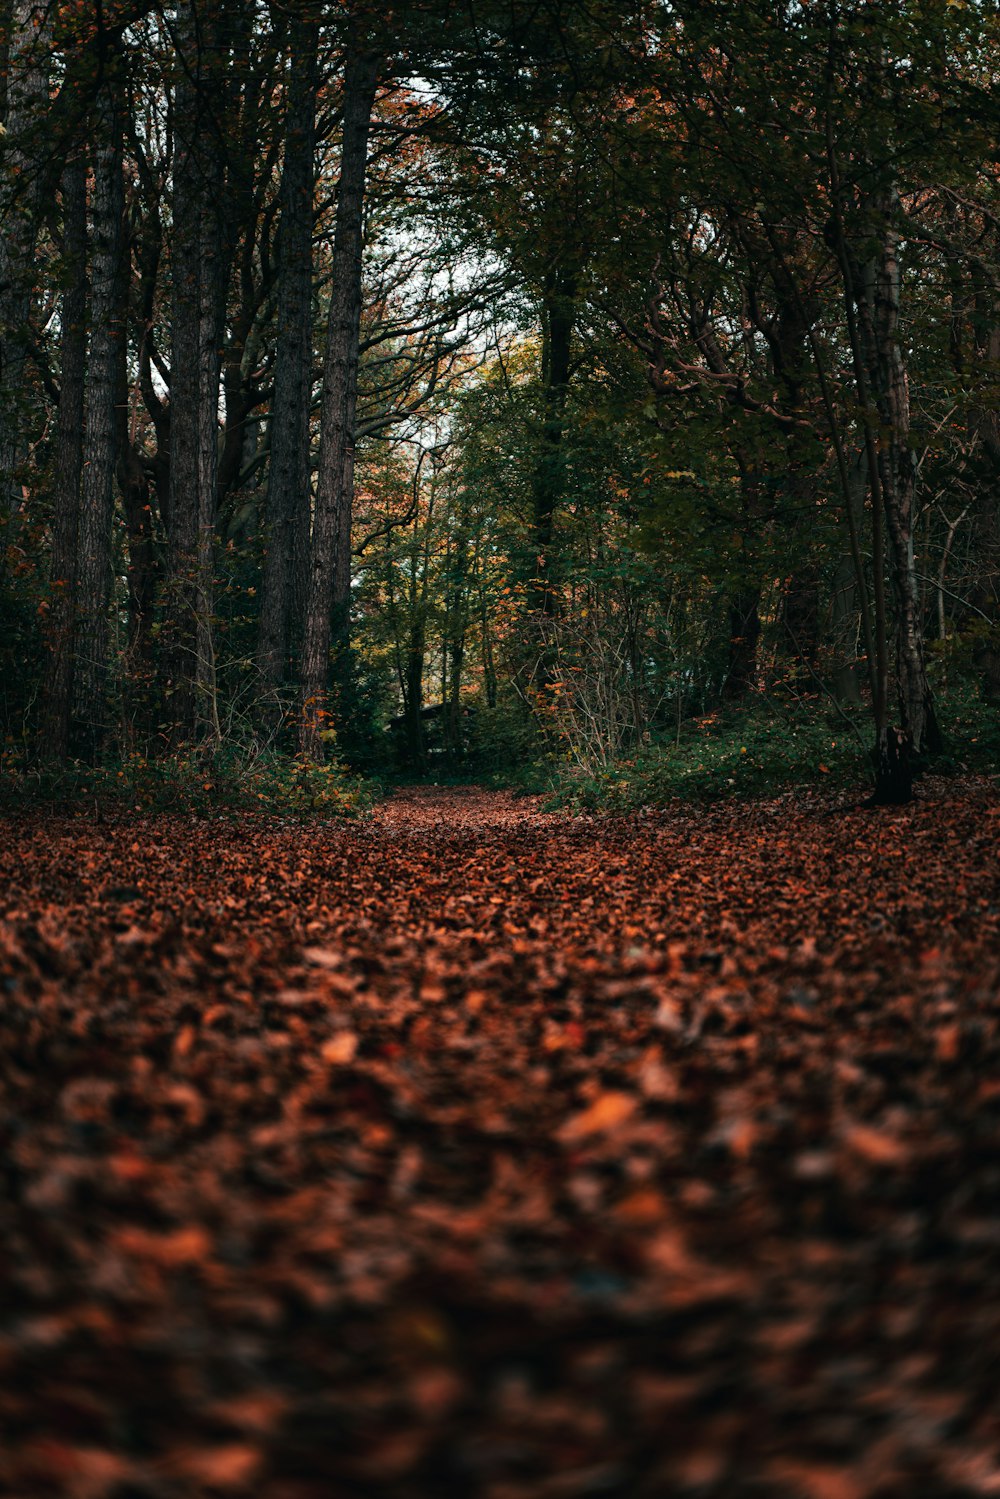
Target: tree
x,y
58,691
285,570
199,271
94,567
329,567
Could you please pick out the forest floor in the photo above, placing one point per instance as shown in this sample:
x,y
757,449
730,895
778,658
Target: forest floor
x,y
472,1150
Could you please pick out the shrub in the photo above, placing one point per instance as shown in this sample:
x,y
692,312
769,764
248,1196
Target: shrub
x,y
226,780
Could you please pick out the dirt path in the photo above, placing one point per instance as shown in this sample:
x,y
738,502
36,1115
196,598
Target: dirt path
x,y
472,1150
448,809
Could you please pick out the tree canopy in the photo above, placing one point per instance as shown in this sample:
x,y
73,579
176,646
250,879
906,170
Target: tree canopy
x,y
426,382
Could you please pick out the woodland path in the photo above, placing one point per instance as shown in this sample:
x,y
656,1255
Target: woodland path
x,y
476,1150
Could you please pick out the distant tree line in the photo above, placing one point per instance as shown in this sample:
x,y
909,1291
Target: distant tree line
x,y
592,364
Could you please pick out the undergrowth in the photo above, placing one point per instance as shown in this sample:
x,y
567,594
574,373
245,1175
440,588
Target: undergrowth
x,y
767,749
228,780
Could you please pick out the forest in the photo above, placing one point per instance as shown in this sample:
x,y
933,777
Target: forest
x,y
499,749
447,386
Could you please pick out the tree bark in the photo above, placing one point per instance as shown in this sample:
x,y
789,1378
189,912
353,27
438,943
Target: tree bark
x,y
20,204
985,434
198,306
548,480
288,502
897,476
57,697
134,487
94,579
844,630
330,562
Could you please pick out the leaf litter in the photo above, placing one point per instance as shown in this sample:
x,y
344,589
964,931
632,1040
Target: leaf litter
x,y
478,1150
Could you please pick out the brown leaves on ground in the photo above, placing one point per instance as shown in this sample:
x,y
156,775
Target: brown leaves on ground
x,y
477,1151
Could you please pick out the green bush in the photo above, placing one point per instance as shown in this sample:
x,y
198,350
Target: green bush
x,y
768,749
227,780
722,755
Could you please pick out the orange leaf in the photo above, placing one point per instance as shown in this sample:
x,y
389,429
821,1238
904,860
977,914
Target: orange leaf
x,y
606,1113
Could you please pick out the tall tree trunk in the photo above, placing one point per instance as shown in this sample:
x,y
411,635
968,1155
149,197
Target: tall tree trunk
x,y
844,631
548,480
416,643
800,600
984,425
27,94
454,645
330,562
94,579
134,488
148,248
198,307
890,754
897,476
413,697
744,597
287,515
57,698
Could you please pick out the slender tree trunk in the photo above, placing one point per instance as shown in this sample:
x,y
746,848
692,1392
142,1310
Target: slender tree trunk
x,y
287,544
198,305
890,755
330,562
148,248
548,481
897,475
455,646
985,432
414,696
800,600
27,95
134,488
94,578
486,641
58,690
844,630
744,599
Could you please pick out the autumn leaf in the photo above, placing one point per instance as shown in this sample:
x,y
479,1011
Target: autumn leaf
x,y
288,1161
606,1113
341,1048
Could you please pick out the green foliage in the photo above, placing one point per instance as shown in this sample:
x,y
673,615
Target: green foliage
x,y
971,729
502,740
758,752
228,781
768,749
